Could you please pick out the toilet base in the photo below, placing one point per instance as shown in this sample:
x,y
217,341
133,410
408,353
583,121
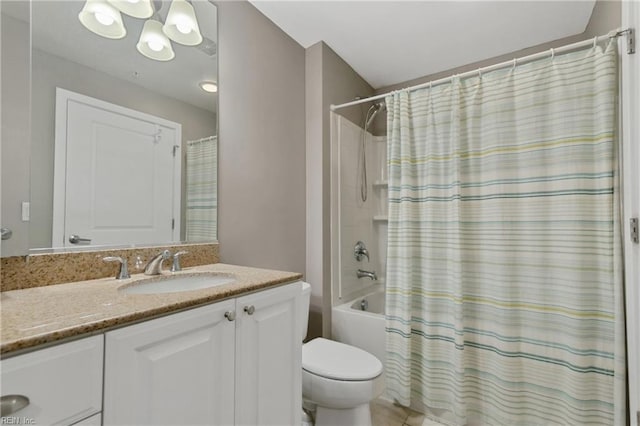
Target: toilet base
x,y
357,416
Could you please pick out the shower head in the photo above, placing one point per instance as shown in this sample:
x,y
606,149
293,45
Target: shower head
x,y
376,108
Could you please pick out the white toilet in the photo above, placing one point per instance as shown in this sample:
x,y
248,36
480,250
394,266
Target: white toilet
x,y
337,379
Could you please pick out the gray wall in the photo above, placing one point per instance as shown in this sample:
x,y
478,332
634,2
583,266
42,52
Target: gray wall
x,y
15,131
50,71
330,80
261,180
318,217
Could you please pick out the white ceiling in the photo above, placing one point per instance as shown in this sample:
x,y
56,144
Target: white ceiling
x,y
389,42
57,30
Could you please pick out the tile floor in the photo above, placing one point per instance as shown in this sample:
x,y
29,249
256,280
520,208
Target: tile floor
x,y
385,413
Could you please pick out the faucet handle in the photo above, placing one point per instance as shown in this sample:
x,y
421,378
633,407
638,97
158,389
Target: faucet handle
x,y
360,251
176,261
123,274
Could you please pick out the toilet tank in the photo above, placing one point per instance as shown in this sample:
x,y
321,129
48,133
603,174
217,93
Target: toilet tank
x,y
304,311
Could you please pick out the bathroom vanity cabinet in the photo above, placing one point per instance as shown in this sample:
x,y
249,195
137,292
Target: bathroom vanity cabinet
x,y
237,361
172,370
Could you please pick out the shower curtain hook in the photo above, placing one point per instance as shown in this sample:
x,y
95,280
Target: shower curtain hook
x,y
515,63
595,42
479,72
553,53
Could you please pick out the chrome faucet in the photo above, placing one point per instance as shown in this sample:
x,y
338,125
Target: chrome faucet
x,y
154,266
368,274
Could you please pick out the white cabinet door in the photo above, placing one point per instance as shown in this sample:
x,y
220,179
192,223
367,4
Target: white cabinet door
x,y
63,383
269,357
175,370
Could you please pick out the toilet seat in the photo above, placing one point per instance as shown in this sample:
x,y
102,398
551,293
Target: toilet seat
x,y
337,361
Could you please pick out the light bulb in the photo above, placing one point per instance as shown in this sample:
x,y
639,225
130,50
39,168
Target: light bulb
x,y
183,26
104,19
155,44
100,17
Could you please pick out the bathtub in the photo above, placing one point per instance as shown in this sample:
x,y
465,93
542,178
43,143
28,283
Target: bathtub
x,y
363,328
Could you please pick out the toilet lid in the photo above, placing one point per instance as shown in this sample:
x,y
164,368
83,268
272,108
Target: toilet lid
x,y
338,361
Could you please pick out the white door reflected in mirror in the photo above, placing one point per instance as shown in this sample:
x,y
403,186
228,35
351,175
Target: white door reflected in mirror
x,y
116,176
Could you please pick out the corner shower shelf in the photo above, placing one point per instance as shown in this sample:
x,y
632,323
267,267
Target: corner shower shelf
x,y
381,218
381,184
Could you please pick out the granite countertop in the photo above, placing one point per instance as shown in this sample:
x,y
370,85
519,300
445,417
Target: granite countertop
x,y
41,315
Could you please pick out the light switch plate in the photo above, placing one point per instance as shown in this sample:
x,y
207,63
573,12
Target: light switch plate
x,y
26,211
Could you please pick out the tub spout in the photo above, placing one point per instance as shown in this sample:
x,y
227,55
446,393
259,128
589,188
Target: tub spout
x,y
368,274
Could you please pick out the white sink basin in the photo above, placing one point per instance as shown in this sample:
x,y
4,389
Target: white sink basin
x,y
177,283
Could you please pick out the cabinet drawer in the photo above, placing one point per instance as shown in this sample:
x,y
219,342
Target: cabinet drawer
x,y
63,383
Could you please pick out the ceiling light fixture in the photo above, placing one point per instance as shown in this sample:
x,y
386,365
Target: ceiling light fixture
x,y
181,24
137,8
209,86
103,19
153,43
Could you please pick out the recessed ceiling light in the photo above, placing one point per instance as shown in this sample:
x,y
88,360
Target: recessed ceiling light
x,y
209,86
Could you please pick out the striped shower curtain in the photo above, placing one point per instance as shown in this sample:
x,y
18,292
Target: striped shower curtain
x,y
202,190
504,276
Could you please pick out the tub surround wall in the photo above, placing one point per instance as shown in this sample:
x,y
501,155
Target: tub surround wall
x,y
359,221
37,270
381,202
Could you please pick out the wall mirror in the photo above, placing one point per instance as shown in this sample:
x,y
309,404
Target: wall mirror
x,y
123,107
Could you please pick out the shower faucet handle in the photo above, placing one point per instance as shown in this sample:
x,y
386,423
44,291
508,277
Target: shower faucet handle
x,y
360,251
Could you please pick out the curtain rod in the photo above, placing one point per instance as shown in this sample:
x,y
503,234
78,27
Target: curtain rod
x,y
512,62
208,138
